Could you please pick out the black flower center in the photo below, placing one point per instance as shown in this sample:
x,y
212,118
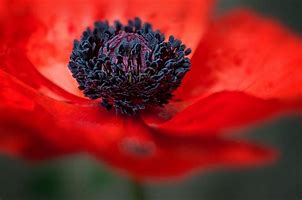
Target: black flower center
x,y
128,66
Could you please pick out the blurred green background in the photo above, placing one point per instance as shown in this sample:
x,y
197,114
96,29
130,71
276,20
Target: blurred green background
x,y
79,177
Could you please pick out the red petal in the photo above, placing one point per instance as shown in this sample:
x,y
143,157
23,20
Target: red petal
x,y
32,120
46,30
17,64
22,126
185,19
153,156
245,52
37,127
226,110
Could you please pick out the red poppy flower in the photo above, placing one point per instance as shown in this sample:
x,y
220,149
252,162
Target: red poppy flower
x,y
245,69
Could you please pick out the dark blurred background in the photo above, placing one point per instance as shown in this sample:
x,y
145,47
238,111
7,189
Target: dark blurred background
x,y
287,11
79,177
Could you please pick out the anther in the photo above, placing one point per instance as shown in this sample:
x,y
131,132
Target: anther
x,y
130,67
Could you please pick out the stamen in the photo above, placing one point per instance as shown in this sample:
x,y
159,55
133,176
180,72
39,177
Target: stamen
x,y
130,67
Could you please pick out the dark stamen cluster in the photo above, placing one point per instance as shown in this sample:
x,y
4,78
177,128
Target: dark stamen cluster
x,y
128,66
